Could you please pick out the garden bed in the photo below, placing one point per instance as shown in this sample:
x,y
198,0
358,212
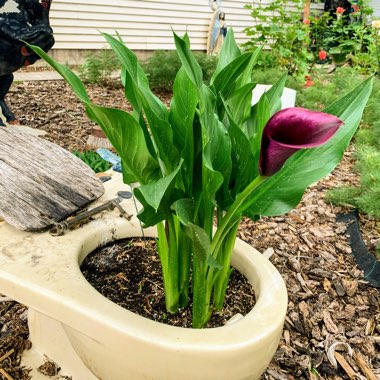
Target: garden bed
x,y
329,302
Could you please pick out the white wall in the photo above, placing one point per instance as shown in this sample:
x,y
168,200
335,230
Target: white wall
x,y
376,7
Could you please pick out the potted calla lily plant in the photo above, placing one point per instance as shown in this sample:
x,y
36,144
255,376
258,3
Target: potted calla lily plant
x,y
212,159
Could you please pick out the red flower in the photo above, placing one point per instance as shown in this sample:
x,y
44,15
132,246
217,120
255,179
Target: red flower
x,y
322,55
306,21
290,130
355,8
340,10
309,82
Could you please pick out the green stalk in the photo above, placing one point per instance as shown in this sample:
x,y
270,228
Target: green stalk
x,y
231,216
184,250
224,257
201,312
167,250
203,275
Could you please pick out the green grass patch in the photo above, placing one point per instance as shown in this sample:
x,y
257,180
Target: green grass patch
x,y
93,160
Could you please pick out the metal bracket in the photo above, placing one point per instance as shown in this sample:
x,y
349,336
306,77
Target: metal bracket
x,y
60,228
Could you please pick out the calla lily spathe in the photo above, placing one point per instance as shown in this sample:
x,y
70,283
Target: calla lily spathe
x,y
290,130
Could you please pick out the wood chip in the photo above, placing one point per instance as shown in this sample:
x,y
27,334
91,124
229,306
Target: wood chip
x,y
343,363
370,327
6,374
9,353
362,364
330,325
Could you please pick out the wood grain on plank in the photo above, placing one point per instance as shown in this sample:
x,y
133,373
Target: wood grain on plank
x,y
40,182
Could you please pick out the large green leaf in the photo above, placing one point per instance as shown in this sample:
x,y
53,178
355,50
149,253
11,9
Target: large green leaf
x,y
185,210
182,108
228,53
158,120
66,73
256,126
217,147
128,60
157,198
283,191
244,166
226,80
154,193
140,95
181,118
240,103
246,77
188,60
126,136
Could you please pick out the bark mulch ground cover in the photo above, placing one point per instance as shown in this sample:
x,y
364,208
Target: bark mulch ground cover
x,y
332,328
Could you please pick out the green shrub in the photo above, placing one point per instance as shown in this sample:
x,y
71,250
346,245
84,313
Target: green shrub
x,y
99,66
162,67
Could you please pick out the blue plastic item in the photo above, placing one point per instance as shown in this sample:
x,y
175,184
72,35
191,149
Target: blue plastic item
x,y
110,157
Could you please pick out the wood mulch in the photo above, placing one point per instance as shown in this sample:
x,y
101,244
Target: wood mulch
x,y
332,328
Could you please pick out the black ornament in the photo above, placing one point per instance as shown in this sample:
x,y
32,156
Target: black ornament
x,y
21,21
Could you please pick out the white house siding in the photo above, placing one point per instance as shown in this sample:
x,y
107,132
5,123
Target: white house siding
x,y
375,4
144,24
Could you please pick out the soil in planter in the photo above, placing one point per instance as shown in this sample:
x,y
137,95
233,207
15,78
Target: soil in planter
x,y
128,272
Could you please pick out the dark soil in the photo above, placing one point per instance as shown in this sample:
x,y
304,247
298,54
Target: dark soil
x,y
129,274
332,328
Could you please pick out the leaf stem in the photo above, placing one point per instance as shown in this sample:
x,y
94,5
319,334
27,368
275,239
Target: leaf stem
x,y
232,215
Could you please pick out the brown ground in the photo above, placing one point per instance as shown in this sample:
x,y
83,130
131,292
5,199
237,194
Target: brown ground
x,y
331,308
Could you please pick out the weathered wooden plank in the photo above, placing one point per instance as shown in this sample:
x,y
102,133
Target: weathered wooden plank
x,y
40,182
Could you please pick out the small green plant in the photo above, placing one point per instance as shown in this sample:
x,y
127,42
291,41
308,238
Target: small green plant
x,y
366,197
99,66
278,26
162,67
93,160
213,158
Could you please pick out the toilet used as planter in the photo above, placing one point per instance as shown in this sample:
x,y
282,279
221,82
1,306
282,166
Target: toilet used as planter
x,y
90,337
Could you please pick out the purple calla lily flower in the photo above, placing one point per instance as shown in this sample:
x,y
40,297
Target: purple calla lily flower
x,y
290,130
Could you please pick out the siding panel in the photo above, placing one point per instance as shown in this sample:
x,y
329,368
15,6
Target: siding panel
x,y
144,25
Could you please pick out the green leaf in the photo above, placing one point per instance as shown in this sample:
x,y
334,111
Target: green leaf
x,y
139,94
240,103
188,60
182,109
246,77
129,60
217,147
228,53
283,191
125,134
274,94
181,118
244,165
225,82
185,210
255,126
154,193
201,241
66,73
158,120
